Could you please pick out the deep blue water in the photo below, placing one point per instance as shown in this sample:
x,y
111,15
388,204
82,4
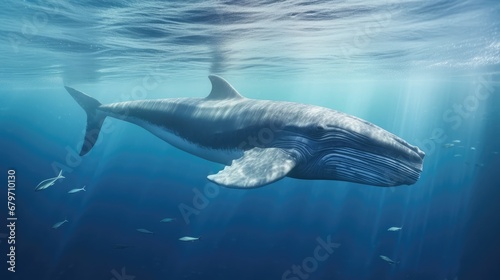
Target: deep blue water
x,y
427,72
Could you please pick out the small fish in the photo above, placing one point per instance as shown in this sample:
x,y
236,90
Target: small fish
x,y
457,155
473,148
394,229
48,182
167,220
144,231
448,145
387,259
58,224
77,190
456,141
495,153
189,238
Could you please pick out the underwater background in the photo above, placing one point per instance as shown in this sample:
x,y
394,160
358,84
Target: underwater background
x,y
427,71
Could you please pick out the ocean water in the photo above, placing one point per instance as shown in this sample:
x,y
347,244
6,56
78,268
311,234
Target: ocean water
x,y
427,71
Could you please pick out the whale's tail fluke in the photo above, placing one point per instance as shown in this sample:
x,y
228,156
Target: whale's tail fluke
x,y
94,120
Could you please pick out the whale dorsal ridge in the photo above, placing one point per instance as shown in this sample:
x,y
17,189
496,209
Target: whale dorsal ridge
x,y
221,89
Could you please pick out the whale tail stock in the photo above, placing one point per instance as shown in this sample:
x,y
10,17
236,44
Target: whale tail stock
x,y
94,120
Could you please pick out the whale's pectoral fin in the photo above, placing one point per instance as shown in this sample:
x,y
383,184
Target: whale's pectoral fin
x,y
257,167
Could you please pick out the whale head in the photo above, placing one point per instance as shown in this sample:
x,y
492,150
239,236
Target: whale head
x,y
341,147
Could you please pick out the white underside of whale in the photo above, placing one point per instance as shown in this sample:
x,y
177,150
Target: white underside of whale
x,y
224,156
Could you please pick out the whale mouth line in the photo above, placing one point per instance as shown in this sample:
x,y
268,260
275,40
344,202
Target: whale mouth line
x,y
417,153
352,165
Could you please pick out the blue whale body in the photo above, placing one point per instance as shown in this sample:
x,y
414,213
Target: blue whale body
x,y
262,141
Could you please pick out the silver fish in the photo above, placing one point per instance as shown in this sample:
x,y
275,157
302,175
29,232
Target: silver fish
x,y
48,182
167,220
387,259
77,190
189,238
58,224
394,229
144,231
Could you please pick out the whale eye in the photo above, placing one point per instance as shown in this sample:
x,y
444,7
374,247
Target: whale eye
x,y
320,128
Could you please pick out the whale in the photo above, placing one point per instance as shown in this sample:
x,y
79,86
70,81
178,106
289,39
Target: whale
x,y
262,141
